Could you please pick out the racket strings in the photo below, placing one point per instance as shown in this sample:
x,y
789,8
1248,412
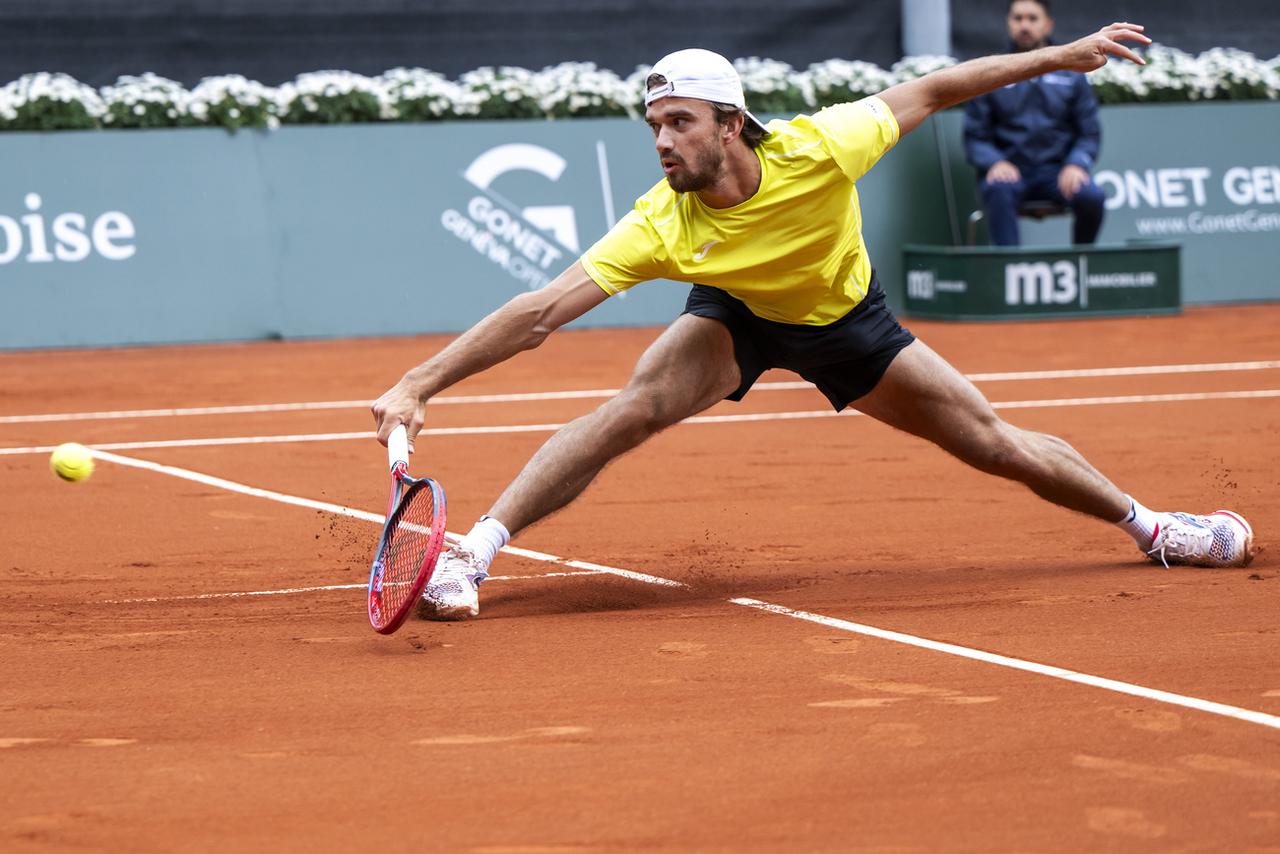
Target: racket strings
x,y
408,541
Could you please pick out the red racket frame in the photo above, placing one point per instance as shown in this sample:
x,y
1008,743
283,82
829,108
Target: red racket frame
x,y
403,489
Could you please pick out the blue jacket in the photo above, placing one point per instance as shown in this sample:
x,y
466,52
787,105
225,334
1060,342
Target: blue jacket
x,y
1048,120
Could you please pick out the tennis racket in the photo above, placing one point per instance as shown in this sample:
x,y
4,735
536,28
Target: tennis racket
x,y
410,543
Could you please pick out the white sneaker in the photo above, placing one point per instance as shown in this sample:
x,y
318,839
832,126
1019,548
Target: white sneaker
x,y
453,593
1222,538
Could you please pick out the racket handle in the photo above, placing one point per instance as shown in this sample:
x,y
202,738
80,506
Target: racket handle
x,y
398,446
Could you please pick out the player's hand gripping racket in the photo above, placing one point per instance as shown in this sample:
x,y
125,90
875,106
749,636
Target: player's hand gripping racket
x,y
411,540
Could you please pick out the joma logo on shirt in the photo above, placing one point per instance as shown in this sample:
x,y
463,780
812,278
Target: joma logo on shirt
x,y
706,247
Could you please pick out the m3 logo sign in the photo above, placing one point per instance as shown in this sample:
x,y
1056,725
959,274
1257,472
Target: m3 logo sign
x,y
924,285
1041,283
920,284
989,284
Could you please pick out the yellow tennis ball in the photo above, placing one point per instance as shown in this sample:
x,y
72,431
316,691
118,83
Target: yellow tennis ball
x,y
71,462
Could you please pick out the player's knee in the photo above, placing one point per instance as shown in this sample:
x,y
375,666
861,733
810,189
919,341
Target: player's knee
x,y
638,412
999,449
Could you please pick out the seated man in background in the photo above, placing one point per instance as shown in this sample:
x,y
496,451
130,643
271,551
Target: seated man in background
x,y
1036,140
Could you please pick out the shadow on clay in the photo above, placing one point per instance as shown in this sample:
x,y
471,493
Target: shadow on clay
x,y
604,593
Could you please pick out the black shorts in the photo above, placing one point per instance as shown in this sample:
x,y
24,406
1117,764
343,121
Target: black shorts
x,y
844,359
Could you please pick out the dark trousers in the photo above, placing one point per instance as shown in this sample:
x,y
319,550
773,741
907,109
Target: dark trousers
x,y
1002,200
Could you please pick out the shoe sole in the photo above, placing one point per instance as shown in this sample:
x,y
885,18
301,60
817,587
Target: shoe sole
x,y
429,610
453,614
1248,535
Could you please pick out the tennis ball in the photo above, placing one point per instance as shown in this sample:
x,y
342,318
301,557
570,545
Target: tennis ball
x,y
71,462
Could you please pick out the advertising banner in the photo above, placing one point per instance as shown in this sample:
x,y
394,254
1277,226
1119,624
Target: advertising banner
x,y
1206,176
995,284
131,237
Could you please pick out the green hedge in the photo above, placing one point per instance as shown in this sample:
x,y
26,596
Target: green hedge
x,y
57,102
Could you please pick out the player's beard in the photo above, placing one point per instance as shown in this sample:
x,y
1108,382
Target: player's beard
x,y
700,174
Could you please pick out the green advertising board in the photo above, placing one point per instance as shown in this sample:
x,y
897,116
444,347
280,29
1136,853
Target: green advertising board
x,y
199,235
148,236
1205,176
983,283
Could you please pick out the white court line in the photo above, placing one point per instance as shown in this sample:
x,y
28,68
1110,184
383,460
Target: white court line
x,y
245,409
306,406
237,594
1154,694
697,419
1261,718
354,513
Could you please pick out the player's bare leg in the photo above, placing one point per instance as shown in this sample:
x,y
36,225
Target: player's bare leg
x,y
923,395
689,368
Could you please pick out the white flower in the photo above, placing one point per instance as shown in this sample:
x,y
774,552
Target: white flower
x,y
635,81
571,88
766,77
1238,72
912,67
335,86
837,79
1171,74
425,94
567,89
232,93
136,93
30,89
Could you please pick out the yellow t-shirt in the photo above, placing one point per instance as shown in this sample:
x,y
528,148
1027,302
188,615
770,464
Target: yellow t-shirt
x,y
793,252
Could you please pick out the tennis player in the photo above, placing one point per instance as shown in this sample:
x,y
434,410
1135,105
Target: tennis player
x,y
764,222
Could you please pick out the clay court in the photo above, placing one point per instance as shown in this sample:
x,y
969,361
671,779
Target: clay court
x,y
769,629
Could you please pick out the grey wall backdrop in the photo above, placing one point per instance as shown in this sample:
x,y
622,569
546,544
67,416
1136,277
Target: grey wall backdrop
x,y
274,40
978,26
118,237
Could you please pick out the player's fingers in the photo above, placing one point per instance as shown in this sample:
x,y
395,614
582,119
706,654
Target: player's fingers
x,y
1128,36
1135,29
380,408
385,426
1116,49
414,427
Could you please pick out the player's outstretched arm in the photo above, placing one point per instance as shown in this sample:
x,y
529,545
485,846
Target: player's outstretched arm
x,y
914,101
522,324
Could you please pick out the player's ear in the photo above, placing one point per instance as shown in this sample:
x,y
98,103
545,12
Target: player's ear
x,y
733,128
